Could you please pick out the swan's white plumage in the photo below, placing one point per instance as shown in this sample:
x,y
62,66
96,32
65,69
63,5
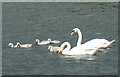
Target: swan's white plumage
x,y
23,45
94,43
52,49
13,46
89,48
55,49
76,50
18,45
45,42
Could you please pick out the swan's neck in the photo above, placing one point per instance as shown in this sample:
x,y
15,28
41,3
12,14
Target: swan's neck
x,y
37,41
67,48
79,38
11,45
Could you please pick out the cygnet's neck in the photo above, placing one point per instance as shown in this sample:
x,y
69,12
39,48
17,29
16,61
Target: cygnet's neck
x,y
12,45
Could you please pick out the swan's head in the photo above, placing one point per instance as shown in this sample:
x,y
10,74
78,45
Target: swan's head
x,y
75,30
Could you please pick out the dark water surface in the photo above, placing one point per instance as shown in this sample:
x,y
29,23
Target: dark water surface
x,y
24,22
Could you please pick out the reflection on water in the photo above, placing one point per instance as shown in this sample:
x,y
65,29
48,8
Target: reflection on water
x,y
78,57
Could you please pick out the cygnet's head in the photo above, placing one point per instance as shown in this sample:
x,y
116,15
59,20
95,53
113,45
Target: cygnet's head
x,y
49,39
10,44
49,47
18,43
75,30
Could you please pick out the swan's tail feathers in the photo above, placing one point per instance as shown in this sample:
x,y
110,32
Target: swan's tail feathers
x,y
112,41
108,45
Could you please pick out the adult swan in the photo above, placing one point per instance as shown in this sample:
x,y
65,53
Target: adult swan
x,y
76,50
92,44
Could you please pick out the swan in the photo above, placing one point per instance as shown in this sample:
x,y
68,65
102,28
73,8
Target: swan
x,y
14,46
55,49
49,41
44,42
76,50
94,43
24,45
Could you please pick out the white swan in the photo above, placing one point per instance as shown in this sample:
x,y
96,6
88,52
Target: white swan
x,y
24,45
55,49
14,46
76,50
44,42
94,43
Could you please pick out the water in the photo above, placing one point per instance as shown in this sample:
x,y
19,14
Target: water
x,y
25,22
